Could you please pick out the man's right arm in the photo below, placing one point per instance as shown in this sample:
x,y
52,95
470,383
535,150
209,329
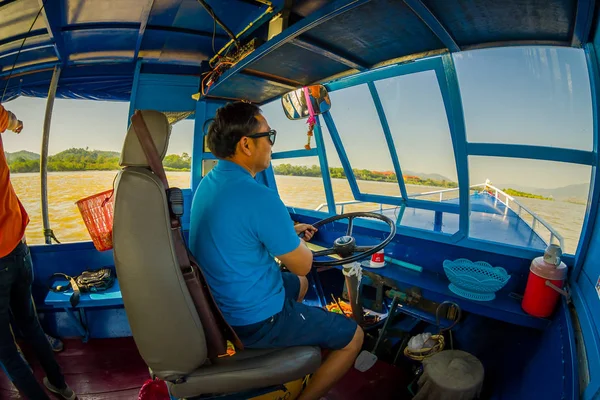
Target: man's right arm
x,y
298,261
275,229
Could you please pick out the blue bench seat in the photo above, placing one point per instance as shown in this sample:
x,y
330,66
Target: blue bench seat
x,y
108,298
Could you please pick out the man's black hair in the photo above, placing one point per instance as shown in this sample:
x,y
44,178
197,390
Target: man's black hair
x,y
232,122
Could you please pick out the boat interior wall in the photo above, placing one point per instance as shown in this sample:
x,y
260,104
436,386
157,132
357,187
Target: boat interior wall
x,y
585,278
165,92
323,38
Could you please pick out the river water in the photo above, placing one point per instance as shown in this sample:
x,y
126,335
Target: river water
x,y
65,188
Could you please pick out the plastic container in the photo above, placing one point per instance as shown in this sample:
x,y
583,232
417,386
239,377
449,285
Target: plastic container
x,y
477,281
97,213
377,260
546,279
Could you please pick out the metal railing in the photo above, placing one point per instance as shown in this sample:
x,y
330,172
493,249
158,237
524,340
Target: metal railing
x,y
499,196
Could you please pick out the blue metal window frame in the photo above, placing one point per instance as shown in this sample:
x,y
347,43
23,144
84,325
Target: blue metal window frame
x,y
445,71
318,151
443,67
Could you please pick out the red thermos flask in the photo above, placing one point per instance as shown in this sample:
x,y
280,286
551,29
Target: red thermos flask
x,y
545,283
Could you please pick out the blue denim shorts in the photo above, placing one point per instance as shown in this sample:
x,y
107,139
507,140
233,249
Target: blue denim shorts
x,y
298,325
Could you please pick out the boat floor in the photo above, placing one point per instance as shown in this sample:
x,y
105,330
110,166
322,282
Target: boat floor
x,y
104,369
101,369
489,220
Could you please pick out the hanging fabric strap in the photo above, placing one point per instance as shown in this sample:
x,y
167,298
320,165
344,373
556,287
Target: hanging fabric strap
x,y
217,330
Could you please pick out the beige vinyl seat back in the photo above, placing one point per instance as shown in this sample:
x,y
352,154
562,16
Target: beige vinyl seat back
x,y
161,313
163,319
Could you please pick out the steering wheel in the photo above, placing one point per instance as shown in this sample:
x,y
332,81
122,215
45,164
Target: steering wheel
x,y
345,246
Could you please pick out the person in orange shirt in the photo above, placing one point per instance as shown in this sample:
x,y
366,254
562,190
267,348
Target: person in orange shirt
x,y
16,276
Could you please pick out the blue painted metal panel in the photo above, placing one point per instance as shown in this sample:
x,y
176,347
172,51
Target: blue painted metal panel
x,y
297,63
120,42
53,16
335,56
380,199
591,212
384,73
294,154
324,167
71,259
246,87
27,57
569,346
532,152
433,23
583,22
326,13
205,110
435,206
166,93
134,90
337,142
396,32
144,22
388,138
450,90
469,21
589,330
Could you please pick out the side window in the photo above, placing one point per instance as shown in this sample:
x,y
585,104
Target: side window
x,y
298,179
178,161
541,98
299,182
85,143
342,194
362,137
528,202
417,119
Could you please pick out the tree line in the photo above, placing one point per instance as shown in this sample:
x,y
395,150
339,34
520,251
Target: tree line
x,y
360,174
86,160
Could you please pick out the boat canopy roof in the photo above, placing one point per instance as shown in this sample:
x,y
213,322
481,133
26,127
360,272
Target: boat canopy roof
x,y
99,43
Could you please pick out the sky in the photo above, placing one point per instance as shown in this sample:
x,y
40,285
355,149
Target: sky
x,y
519,95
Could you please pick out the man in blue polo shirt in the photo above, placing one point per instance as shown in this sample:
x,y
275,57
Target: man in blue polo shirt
x,y
237,228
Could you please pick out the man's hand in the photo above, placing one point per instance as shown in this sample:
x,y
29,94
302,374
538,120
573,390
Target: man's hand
x,y
19,127
309,231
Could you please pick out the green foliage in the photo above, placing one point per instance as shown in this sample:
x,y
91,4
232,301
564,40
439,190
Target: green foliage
x,y
85,160
174,162
361,174
517,193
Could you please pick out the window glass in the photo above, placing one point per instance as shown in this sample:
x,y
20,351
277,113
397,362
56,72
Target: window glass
x,y
549,196
85,143
429,220
417,119
526,95
342,193
360,130
178,161
299,182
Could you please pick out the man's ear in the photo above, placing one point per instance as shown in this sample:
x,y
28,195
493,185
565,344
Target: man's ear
x,y
244,146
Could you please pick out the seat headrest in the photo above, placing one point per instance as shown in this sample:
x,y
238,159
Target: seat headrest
x,y
160,130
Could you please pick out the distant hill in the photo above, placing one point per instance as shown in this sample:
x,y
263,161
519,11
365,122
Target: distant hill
x,y
424,176
27,155
576,191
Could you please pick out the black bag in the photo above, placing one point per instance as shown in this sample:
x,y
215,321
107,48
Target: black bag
x,y
89,281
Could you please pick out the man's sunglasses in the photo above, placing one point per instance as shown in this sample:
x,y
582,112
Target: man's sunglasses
x,y
271,134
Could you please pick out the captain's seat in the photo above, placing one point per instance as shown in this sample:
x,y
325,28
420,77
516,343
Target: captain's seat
x,y
163,319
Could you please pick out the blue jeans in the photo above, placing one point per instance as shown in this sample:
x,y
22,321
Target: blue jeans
x,y
16,276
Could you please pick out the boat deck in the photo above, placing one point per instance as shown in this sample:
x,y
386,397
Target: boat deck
x,y
489,220
112,369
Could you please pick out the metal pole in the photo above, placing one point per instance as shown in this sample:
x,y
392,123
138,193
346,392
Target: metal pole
x,y
48,234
